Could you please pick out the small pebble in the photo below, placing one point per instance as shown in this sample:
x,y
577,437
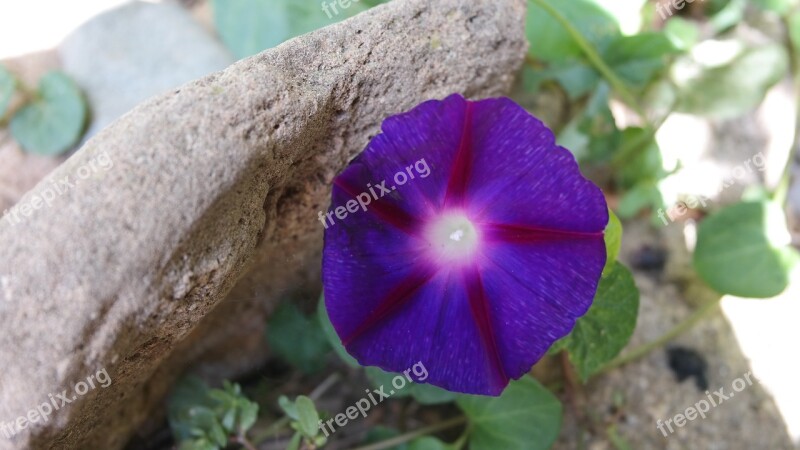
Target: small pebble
x,y
687,363
649,258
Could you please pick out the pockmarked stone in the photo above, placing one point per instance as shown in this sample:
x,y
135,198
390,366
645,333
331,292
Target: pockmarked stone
x,y
170,256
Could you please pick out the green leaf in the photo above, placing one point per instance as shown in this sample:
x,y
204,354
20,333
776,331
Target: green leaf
x,y
249,414
229,419
208,416
637,59
576,76
428,394
643,195
53,122
725,14
288,407
8,84
550,41
683,33
187,395
525,417
613,239
743,250
294,444
308,417
298,339
601,334
776,6
248,27
427,443
574,140
218,435
380,378
735,88
617,440
425,394
198,444
592,135
597,122
333,338
645,165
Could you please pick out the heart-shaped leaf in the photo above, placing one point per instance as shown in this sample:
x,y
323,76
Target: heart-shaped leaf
x,y
743,250
601,334
53,122
525,417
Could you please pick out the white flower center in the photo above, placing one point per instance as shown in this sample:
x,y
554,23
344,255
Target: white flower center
x,y
453,237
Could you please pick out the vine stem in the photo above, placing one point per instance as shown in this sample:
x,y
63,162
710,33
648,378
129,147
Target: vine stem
x,y
324,386
272,430
403,438
616,83
676,331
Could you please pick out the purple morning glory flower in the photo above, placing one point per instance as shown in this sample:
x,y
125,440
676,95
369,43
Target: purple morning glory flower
x,y
464,238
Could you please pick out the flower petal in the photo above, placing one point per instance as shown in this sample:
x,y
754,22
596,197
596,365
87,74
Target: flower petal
x,y
537,291
474,268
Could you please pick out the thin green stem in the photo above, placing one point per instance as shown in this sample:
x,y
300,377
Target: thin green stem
x,y
324,386
616,83
272,430
462,440
676,331
403,438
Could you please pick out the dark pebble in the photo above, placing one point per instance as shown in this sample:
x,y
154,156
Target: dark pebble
x,y
687,363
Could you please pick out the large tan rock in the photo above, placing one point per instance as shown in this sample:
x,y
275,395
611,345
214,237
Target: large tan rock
x,y
170,234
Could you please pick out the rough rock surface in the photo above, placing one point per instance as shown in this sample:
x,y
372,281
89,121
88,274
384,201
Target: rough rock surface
x,y
131,53
209,210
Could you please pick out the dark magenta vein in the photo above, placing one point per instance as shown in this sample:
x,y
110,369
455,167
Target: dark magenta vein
x,y
387,212
462,166
479,306
394,300
523,234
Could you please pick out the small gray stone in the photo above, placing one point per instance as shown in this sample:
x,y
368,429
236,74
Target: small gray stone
x,y
129,54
